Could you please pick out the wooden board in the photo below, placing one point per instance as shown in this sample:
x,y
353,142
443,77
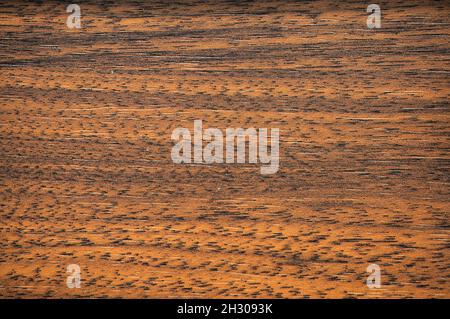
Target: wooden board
x,y
87,176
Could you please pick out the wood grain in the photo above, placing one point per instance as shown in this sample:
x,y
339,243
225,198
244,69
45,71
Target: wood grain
x,y
86,174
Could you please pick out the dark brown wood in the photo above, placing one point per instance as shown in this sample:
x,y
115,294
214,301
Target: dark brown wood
x,y
87,178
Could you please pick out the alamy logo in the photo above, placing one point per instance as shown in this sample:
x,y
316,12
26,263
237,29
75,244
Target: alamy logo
x,y
73,279
74,19
374,279
374,20
213,152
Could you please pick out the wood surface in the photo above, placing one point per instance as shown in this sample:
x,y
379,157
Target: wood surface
x,y
86,175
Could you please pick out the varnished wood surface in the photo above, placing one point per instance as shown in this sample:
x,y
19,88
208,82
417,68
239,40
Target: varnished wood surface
x,y
86,175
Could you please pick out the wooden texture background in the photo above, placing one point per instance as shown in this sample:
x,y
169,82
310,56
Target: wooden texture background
x,y
86,175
